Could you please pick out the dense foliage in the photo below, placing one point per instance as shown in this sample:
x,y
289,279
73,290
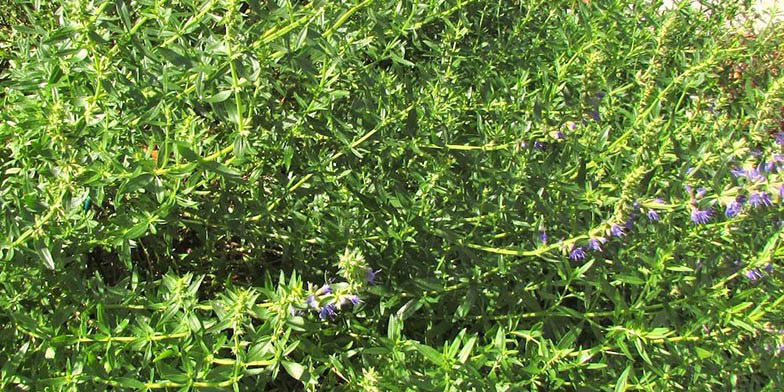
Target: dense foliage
x,y
367,195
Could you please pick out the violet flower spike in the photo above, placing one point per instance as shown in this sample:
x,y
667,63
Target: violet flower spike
x,y
738,172
311,301
760,199
780,139
617,231
701,192
543,237
596,244
327,312
700,217
781,191
371,275
577,254
753,274
653,215
732,209
769,269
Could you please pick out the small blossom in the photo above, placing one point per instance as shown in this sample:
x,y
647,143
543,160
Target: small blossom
x,y
660,201
595,115
780,139
689,171
769,269
753,274
636,205
543,237
596,243
754,174
738,172
311,301
629,224
687,188
538,145
732,209
701,192
600,94
572,125
770,166
327,312
577,254
324,290
700,217
653,215
617,231
371,275
781,191
759,199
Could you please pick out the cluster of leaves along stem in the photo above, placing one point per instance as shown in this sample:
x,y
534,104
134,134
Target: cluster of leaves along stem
x,y
359,195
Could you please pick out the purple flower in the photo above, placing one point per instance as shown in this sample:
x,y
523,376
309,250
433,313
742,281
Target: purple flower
x,y
595,115
732,209
559,135
327,312
653,215
753,274
738,172
769,268
629,224
572,125
660,201
780,139
754,174
371,275
311,301
577,254
701,192
538,145
700,217
636,205
781,191
351,298
596,243
326,289
770,166
600,95
543,237
759,199
687,187
617,231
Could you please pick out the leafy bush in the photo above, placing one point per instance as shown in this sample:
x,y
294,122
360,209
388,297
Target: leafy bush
x,y
391,195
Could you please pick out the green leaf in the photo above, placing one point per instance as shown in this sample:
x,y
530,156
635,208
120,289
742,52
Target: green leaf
x,y
621,384
46,257
293,369
466,351
175,58
430,353
219,97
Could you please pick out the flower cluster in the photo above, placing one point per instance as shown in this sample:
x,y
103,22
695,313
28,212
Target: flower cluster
x,y
330,298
